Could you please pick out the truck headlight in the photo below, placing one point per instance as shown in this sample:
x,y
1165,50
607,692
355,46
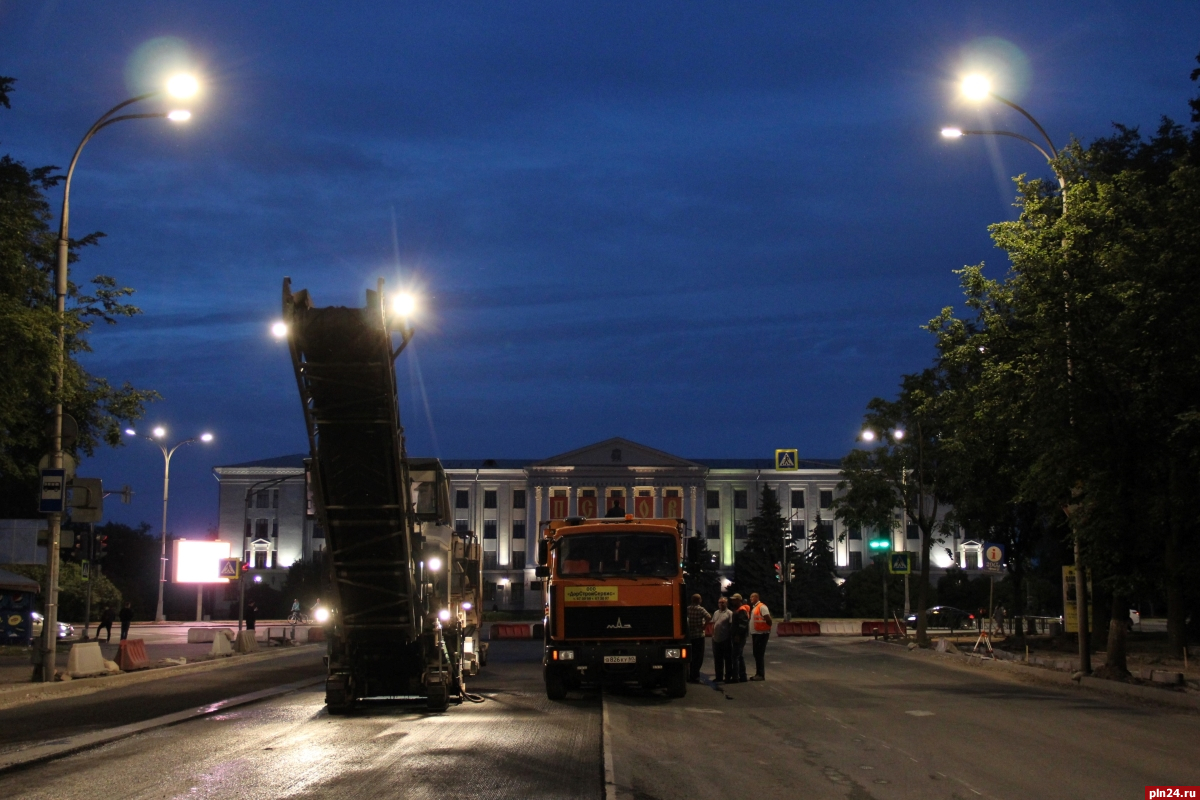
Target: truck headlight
x,y
321,615
673,652
469,646
566,655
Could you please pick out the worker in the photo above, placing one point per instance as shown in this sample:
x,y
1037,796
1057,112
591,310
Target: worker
x,y
760,624
697,618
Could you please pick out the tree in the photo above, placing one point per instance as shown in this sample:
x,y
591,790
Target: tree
x,y
754,567
29,337
907,466
816,591
72,589
702,575
132,564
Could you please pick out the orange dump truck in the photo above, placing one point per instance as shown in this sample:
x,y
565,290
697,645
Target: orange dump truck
x,y
615,603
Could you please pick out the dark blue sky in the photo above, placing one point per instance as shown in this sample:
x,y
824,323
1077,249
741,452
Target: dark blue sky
x,y
715,228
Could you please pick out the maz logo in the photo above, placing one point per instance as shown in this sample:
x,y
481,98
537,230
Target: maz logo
x,y
618,626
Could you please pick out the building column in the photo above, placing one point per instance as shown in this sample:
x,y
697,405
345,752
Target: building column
x,y
695,530
537,511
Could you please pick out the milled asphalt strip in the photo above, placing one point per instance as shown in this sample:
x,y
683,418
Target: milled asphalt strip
x,y
36,754
610,778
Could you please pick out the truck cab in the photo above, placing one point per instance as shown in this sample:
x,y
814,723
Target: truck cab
x,y
615,604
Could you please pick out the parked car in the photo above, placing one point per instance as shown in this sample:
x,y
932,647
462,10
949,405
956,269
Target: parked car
x,y
945,617
64,629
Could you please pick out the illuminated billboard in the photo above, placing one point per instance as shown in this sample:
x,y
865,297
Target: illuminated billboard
x,y
199,562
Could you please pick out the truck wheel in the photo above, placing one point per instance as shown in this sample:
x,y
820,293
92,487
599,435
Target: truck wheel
x,y
677,683
438,698
556,687
336,699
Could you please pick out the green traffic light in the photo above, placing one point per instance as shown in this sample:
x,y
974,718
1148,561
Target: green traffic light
x,y
879,544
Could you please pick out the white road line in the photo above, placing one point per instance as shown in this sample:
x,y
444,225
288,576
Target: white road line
x,y
610,779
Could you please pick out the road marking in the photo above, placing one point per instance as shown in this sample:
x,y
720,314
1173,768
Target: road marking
x,y
610,778
919,713
85,741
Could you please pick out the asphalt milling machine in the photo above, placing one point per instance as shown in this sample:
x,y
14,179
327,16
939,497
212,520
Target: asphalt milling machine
x,y
405,587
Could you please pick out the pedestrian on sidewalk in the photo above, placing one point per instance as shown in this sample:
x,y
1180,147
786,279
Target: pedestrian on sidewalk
x,y
740,632
760,622
126,618
106,621
251,615
697,618
722,621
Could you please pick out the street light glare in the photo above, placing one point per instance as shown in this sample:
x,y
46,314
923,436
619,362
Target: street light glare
x,y
183,86
952,133
976,87
130,432
898,434
404,304
435,564
206,437
279,330
179,115
159,432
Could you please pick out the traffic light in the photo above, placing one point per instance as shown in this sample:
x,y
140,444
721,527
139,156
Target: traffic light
x,y
791,571
879,545
80,546
101,547
778,572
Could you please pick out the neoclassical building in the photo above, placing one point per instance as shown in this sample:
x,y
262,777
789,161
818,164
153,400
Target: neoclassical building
x,y
264,510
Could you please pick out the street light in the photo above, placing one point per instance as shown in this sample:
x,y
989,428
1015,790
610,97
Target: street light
x,y
159,433
977,87
178,86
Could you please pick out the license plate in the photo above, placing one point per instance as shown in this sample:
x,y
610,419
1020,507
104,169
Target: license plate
x,y
620,659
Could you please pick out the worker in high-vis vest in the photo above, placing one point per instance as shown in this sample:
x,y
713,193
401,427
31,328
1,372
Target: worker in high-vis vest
x,y
760,631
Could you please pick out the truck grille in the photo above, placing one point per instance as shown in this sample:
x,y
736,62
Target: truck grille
x,y
628,622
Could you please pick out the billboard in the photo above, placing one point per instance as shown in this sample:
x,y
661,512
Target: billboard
x,y
198,561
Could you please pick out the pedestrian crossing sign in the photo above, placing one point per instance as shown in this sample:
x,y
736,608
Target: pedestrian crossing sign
x,y
899,563
787,459
229,568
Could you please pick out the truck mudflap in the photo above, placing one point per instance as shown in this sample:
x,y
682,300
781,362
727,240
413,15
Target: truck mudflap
x,y
646,664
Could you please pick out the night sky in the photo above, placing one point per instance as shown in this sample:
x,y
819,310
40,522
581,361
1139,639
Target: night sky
x,y
713,228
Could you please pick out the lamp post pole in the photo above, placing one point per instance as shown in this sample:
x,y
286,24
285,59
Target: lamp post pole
x,y
159,616
978,89
50,618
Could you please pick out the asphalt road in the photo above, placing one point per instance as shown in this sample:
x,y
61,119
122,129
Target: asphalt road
x,y
836,718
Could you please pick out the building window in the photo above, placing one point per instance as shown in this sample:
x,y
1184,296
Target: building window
x,y
798,531
318,532
518,559
739,498
713,530
739,530
855,532
489,498
913,532
827,498
518,498
712,498
535,586
489,590
260,528
274,498
855,559
797,498
275,528
489,559
261,499
518,530
972,559
247,527
462,499
489,529
260,559
824,530
460,525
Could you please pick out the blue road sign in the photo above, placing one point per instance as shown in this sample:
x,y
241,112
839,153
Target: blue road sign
x,y
54,491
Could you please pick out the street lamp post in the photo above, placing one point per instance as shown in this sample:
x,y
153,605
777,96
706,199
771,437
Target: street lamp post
x,y
180,86
159,433
977,87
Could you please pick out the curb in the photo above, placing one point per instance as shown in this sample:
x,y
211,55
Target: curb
x,y
24,693
39,753
1129,690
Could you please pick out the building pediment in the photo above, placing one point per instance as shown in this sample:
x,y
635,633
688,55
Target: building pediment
x,y
618,452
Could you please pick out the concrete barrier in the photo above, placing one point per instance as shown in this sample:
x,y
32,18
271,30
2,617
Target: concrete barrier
x,y
316,635
246,643
206,635
510,630
131,655
798,628
878,627
85,659
221,645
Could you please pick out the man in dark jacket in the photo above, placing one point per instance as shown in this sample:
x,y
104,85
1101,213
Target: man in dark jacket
x,y
106,621
741,632
126,618
251,615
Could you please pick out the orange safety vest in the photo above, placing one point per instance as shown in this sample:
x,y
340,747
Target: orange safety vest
x,y
760,624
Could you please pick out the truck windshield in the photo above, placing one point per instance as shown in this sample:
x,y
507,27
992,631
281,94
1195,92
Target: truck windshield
x,y
638,554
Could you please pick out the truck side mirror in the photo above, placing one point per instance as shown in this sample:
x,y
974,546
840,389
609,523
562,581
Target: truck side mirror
x,y
541,572
542,553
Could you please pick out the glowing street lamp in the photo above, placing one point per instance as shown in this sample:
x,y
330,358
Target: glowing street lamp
x,y
279,330
159,432
180,86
